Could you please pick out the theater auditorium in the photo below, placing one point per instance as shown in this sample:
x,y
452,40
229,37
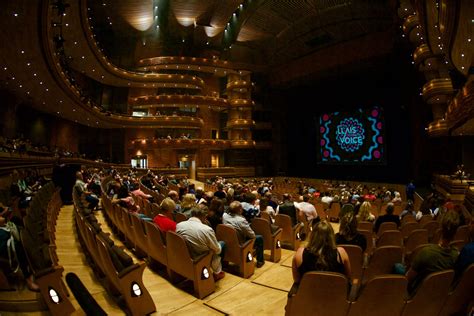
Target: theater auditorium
x,y
237,157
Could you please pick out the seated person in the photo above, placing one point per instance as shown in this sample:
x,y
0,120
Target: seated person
x,y
81,191
200,239
249,206
235,219
21,260
164,220
409,210
216,210
320,254
466,257
388,217
364,214
288,208
307,209
434,258
348,233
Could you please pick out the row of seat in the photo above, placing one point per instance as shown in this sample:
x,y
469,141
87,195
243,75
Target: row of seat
x,y
38,239
326,293
123,278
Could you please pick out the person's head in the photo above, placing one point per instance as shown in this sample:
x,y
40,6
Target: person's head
x,y
123,192
449,225
79,175
235,208
364,210
2,221
199,212
390,208
322,238
217,206
173,195
167,205
189,201
286,197
306,198
348,227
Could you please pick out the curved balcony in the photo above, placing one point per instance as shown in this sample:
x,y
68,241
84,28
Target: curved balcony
x,y
461,107
239,85
209,65
436,91
438,128
421,54
410,23
142,102
242,143
159,80
182,143
241,123
241,103
187,122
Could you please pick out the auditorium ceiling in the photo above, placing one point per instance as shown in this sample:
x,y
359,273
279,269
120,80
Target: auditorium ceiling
x,y
286,42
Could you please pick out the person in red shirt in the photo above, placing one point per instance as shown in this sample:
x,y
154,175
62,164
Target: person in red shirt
x,y
164,220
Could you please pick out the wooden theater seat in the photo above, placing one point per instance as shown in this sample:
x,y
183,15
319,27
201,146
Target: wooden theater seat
x,y
390,238
240,254
156,243
290,234
386,226
320,293
128,282
382,295
139,236
462,233
180,261
369,236
431,295
363,225
461,296
382,261
180,217
356,258
271,241
417,237
408,227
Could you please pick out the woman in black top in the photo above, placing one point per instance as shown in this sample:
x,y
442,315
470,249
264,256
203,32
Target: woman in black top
x,y
321,254
348,234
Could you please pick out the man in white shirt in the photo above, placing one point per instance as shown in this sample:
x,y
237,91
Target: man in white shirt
x,y
326,198
200,239
307,208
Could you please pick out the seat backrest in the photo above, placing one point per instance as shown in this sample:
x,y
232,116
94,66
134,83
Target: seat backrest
x,y
431,295
462,233
228,234
431,226
409,218
284,222
417,237
265,215
390,238
425,219
408,227
382,261
180,217
382,295
369,237
179,258
461,296
139,233
386,226
320,293
156,243
363,225
356,258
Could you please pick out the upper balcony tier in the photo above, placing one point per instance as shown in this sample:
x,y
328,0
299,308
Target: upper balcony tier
x,y
143,102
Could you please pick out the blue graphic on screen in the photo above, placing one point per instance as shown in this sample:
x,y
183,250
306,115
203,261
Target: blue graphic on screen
x,y
356,137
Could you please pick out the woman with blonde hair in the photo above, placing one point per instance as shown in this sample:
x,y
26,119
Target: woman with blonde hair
x,y
364,214
320,254
188,202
